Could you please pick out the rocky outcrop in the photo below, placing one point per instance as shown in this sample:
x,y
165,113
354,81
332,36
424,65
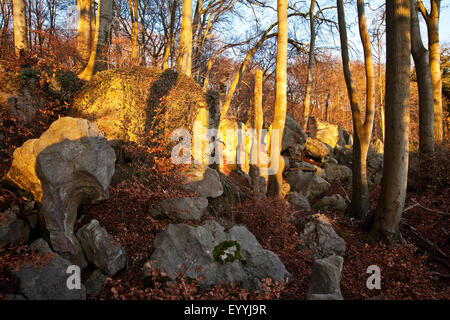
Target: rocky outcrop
x,y
203,180
99,248
328,133
12,229
316,149
308,184
300,202
95,283
332,203
70,164
337,172
47,281
293,135
320,237
191,208
326,278
233,256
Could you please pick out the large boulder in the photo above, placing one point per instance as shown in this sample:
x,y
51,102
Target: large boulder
x,y
308,184
300,202
47,281
332,203
326,278
328,133
233,256
374,168
124,102
203,180
293,135
70,164
336,172
316,149
99,248
320,237
189,208
12,229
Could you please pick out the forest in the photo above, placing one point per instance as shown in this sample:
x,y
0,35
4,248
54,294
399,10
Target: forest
x,y
224,150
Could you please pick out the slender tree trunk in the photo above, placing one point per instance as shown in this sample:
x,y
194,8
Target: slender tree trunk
x,y
166,55
426,103
185,54
258,125
395,167
20,27
362,131
133,5
84,29
98,58
279,118
327,105
309,77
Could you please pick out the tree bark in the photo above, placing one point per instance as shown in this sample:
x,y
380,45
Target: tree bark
x,y
185,54
258,125
426,103
133,5
98,59
166,55
362,131
309,78
84,29
20,27
395,167
279,118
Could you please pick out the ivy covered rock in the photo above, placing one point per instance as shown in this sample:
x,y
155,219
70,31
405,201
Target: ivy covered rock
x,y
233,256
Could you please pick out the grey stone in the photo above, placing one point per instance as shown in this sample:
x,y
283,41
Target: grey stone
x,y
203,180
336,172
300,202
70,164
293,135
316,149
193,247
95,283
320,237
307,183
326,278
12,229
328,133
49,281
99,249
331,203
185,208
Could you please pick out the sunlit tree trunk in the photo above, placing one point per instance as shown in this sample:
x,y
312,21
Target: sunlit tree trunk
x,y
166,55
279,117
84,29
309,77
98,60
185,54
432,20
426,103
133,5
362,130
258,125
395,167
20,27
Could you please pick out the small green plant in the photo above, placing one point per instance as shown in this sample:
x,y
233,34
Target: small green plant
x,y
227,251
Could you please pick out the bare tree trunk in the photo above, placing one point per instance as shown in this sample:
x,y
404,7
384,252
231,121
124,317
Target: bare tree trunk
x,y
20,27
185,55
362,131
395,167
279,118
426,103
98,59
258,125
432,20
84,29
327,105
133,5
309,77
166,55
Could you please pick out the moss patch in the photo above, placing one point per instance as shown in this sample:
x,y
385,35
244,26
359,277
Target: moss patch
x,y
227,251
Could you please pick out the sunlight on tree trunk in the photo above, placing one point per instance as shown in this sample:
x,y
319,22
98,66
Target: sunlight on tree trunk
x,y
98,60
134,13
395,167
185,54
166,55
309,77
426,103
255,169
20,27
279,117
84,29
362,130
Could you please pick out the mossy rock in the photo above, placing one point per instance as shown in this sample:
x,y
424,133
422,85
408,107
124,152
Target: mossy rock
x,y
227,251
124,102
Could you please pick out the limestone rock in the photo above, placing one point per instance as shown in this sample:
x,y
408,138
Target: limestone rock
x,y
185,208
307,183
233,256
12,229
332,203
300,202
316,149
336,172
70,164
328,133
47,282
99,249
203,180
326,278
95,283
